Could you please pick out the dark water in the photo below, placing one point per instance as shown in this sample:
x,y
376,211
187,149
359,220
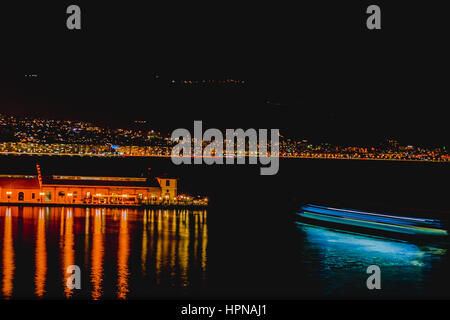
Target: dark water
x,y
246,244
121,253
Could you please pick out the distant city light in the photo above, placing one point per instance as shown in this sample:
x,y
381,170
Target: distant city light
x,y
31,136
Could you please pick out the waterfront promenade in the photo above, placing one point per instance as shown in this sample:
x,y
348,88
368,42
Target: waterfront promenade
x,y
165,205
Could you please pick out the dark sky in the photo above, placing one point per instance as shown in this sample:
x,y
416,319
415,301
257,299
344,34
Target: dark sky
x,y
329,77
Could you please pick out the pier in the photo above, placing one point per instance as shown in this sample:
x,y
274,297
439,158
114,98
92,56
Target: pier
x,y
171,205
41,188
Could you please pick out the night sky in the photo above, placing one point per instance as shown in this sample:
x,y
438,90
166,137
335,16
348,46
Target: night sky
x,y
311,68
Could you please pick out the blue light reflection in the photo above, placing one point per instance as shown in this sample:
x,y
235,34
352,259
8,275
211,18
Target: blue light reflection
x,y
341,259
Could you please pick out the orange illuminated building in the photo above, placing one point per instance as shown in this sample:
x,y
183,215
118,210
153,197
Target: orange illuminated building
x,y
77,189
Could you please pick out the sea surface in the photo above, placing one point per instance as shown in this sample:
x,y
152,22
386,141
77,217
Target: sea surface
x,y
246,244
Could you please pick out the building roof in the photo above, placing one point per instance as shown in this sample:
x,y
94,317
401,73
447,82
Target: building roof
x,y
166,176
25,176
15,182
99,181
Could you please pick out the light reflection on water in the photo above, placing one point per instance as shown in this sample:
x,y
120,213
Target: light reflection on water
x,y
120,251
97,253
40,255
341,260
8,256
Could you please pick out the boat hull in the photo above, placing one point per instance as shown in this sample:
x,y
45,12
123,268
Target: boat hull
x,y
373,223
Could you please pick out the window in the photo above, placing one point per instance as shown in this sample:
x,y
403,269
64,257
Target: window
x,y
21,196
33,196
48,196
75,194
167,183
61,194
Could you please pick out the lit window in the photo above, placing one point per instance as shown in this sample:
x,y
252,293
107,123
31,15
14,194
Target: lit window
x,y
48,196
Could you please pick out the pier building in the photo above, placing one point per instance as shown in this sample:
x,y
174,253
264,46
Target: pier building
x,y
86,189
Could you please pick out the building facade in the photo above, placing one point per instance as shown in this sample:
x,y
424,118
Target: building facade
x,y
70,189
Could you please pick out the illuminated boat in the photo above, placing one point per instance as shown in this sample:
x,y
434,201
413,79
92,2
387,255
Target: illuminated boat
x,y
372,223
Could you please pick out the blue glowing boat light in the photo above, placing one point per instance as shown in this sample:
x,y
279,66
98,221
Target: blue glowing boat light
x,y
407,225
